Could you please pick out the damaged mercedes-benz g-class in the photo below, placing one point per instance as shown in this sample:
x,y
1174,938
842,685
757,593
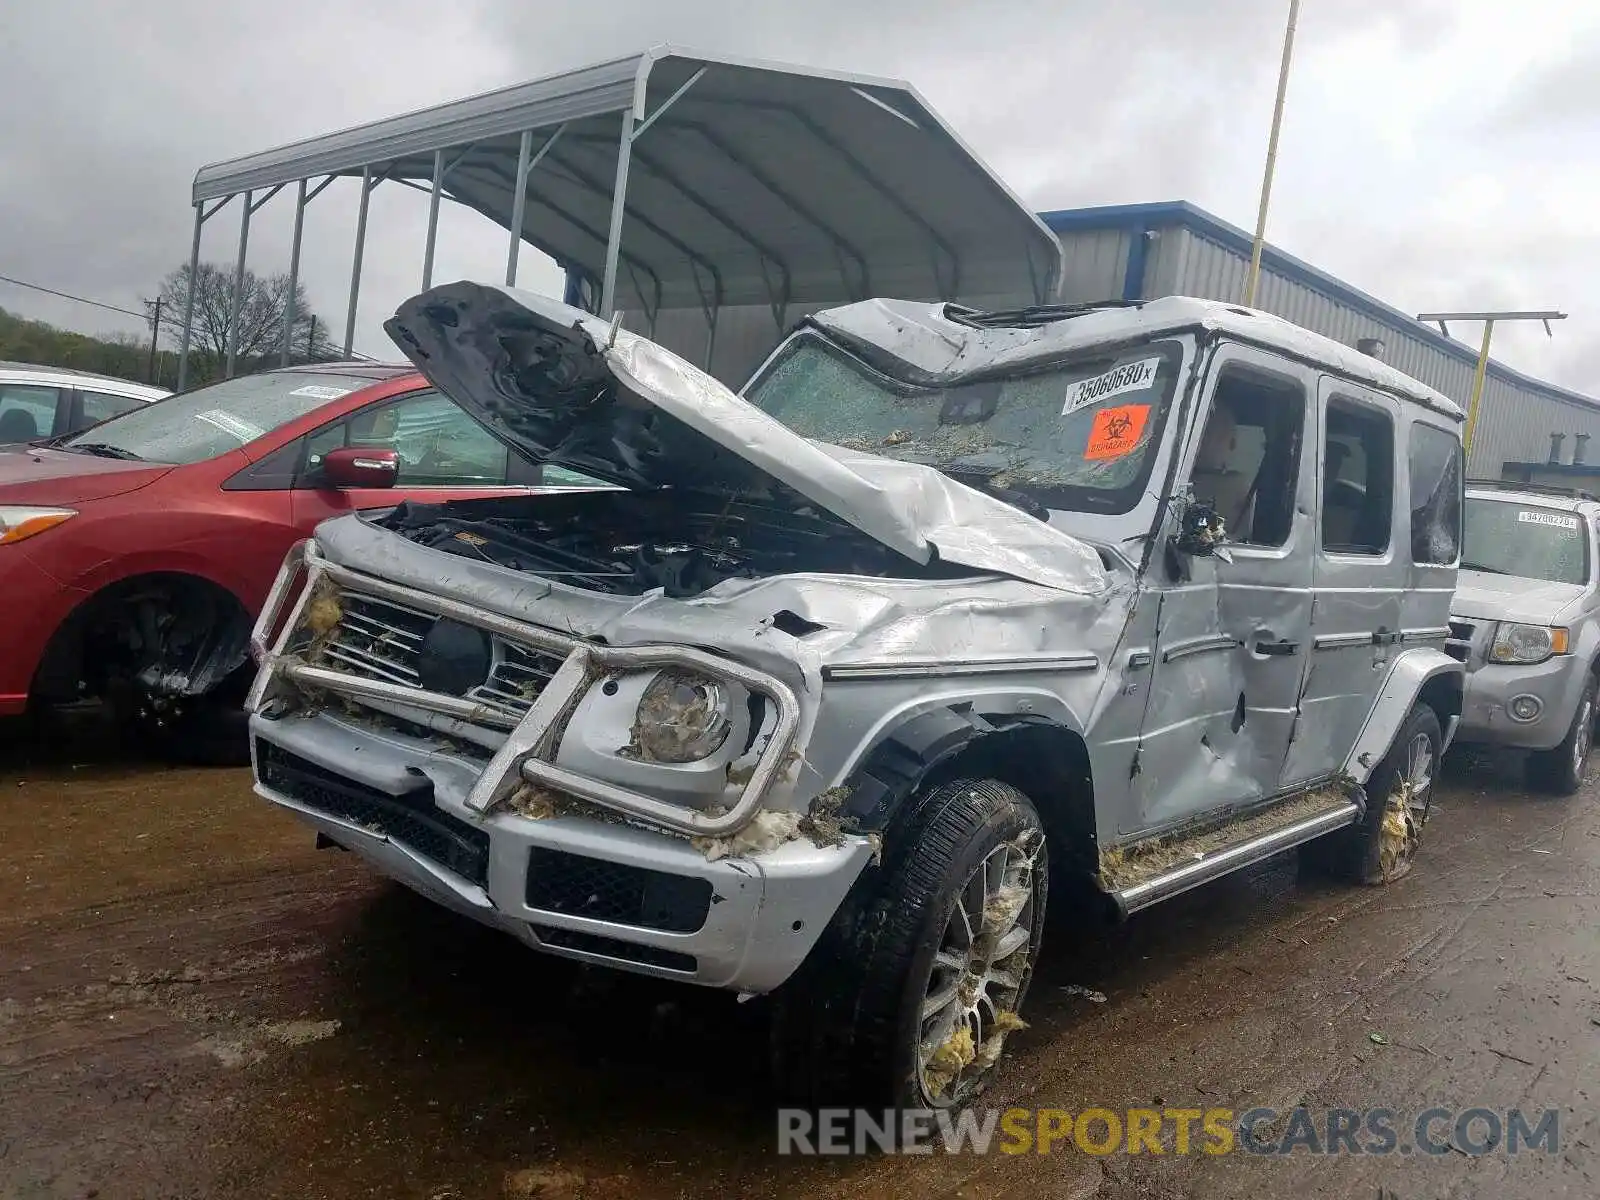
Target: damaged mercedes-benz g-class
x,y
819,691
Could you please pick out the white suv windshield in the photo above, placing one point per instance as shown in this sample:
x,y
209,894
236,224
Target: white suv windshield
x,y
194,426
1073,435
1504,537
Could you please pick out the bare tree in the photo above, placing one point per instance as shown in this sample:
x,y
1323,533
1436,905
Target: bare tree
x,y
263,303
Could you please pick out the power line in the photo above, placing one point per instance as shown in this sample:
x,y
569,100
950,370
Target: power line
x,y
69,296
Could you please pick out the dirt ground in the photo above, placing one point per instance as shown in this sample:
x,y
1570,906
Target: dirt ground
x,y
195,1002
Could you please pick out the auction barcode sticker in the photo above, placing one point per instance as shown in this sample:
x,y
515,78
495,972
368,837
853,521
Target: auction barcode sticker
x,y
1555,520
1121,379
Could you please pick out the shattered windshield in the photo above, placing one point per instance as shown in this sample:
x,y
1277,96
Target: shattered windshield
x,y
1077,435
1503,537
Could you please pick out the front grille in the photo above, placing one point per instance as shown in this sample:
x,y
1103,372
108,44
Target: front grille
x,y
1459,644
580,886
604,947
412,819
377,639
517,677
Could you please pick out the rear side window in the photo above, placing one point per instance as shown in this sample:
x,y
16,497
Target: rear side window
x,y
1357,479
102,406
1434,464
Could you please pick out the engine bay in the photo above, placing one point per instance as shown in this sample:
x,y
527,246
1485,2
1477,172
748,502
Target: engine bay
x,y
629,543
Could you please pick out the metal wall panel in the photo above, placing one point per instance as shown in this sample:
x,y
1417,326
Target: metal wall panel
x,y
1094,264
1515,421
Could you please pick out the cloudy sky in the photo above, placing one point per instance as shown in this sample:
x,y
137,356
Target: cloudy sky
x,y
1440,154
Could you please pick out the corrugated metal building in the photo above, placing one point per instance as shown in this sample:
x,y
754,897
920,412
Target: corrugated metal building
x,y
1144,251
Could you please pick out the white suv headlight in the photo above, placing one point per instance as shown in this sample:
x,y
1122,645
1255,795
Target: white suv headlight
x,y
19,522
1526,644
682,718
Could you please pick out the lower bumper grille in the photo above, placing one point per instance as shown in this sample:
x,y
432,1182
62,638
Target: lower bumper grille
x,y
593,943
411,819
579,886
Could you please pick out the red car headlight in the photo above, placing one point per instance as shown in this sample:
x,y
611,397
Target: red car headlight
x,y
19,522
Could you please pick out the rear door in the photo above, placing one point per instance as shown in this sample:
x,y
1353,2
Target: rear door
x,y
444,455
1360,577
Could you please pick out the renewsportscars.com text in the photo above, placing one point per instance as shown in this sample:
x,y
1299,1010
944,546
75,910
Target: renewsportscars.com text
x,y
1473,1131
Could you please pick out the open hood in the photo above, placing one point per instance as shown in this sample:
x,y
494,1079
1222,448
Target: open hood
x,y
554,380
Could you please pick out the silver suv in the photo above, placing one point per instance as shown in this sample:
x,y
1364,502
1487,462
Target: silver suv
x,y
819,691
1526,620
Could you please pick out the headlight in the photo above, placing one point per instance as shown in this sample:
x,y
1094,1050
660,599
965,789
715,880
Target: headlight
x,y
20,522
682,718
1526,644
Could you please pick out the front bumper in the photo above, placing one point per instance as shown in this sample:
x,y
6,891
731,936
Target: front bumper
x,y
1556,684
35,606
584,888
624,886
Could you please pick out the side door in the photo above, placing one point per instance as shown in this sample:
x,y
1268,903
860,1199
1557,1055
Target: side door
x,y
444,455
1232,639
1361,574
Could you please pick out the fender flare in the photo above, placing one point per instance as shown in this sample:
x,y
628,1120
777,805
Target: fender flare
x,y
908,752
1413,671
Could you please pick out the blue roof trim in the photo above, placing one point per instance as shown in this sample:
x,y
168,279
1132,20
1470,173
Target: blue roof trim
x,y
1133,218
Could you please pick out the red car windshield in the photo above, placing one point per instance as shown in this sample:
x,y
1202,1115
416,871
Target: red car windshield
x,y
194,426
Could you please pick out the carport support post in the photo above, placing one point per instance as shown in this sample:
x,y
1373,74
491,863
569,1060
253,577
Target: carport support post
x,y
294,273
519,204
355,265
619,204
188,303
433,219
238,284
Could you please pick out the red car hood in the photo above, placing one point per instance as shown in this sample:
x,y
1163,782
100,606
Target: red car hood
x,y
37,475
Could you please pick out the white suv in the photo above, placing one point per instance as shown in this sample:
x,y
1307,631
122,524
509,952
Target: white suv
x,y
40,402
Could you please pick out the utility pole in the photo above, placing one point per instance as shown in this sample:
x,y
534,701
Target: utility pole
x,y
1254,277
1489,320
155,335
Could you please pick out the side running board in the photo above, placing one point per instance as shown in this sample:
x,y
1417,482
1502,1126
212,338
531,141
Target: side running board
x,y
1144,874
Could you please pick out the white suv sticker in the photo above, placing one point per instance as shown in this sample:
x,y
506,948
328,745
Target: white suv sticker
x,y
319,392
1129,377
1552,519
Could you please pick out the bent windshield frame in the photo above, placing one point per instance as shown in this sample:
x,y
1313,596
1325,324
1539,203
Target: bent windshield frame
x,y
192,427
1529,541
1078,433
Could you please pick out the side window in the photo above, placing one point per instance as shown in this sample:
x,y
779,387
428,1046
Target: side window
x,y
1248,464
1434,466
439,444
26,412
95,407
1357,479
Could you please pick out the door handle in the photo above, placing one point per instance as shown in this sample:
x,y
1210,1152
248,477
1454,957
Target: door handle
x,y
1277,648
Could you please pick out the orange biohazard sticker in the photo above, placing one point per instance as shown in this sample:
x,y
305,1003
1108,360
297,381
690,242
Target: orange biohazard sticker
x,y
1116,431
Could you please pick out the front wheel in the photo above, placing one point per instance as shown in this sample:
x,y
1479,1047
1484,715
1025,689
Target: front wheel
x,y
908,998
1560,771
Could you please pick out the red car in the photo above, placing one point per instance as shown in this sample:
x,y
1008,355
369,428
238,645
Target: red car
x,y
135,555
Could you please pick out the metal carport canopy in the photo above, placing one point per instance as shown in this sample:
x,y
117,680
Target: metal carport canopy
x,y
674,179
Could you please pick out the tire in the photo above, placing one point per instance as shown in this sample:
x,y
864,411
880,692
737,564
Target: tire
x,y
848,1028
211,730
1381,847
1560,771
